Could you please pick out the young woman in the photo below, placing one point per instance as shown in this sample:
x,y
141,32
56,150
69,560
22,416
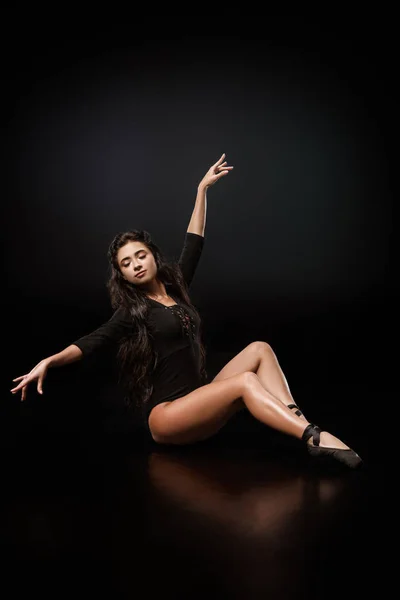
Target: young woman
x,y
156,332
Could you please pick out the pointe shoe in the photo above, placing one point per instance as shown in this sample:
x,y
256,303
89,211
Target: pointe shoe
x,y
297,412
345,456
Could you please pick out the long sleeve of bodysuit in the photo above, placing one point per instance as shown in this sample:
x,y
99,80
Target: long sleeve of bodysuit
x,y
107,335
190,255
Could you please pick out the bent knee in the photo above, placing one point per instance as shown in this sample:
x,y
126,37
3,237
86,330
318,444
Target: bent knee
x,y
248,378
259,347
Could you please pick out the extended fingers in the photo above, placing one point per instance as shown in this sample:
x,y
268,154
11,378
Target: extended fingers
x,y
23,385
223,167
40,385
219,161
19,378
19,386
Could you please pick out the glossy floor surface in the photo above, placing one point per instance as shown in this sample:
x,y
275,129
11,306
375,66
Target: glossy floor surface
x,y
245,515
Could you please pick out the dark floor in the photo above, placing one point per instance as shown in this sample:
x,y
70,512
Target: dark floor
x,y
245,515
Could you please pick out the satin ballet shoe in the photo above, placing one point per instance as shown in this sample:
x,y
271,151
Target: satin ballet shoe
x,y
297,411
345,456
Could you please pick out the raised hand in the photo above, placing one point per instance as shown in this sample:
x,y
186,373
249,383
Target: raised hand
x,y
38,372
215,172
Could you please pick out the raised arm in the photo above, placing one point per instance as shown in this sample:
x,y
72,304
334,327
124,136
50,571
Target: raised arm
x,y
194,238
108,333
197,221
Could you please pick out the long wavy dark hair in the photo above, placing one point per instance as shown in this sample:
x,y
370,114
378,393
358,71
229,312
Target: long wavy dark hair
x,y
136,356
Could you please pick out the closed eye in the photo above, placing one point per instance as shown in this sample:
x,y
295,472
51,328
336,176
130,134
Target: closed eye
x,y
127,263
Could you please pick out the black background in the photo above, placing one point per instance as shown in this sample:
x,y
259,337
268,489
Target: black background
x,y
112,127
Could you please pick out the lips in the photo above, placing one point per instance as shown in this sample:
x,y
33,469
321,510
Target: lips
x,y
141,274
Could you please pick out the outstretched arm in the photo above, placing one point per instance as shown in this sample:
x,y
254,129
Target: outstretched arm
x,y
110,332
70,354
197,222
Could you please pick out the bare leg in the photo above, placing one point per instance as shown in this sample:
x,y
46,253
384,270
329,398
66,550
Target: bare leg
x,y
259,358
203,412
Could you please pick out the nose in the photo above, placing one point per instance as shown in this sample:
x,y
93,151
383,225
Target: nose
x,y
137,268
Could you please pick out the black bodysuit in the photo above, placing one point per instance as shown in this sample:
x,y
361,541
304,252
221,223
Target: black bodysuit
x,y
176,335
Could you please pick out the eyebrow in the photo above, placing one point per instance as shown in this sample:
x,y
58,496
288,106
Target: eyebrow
x,y
137,252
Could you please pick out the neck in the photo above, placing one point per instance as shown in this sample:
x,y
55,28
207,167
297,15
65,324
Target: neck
x,y
156,296
157,291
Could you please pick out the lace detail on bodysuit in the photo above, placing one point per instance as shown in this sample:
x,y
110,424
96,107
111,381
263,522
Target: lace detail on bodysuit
x,y
186,320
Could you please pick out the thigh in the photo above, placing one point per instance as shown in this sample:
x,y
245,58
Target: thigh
x,y
199,414
247,359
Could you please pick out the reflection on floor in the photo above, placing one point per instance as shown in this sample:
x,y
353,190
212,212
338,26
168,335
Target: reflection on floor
x,y
241,516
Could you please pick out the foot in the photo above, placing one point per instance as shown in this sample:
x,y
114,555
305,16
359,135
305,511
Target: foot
x,y
327,440
324,445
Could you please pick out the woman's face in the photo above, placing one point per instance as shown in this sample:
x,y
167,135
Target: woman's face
x,y
133,258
